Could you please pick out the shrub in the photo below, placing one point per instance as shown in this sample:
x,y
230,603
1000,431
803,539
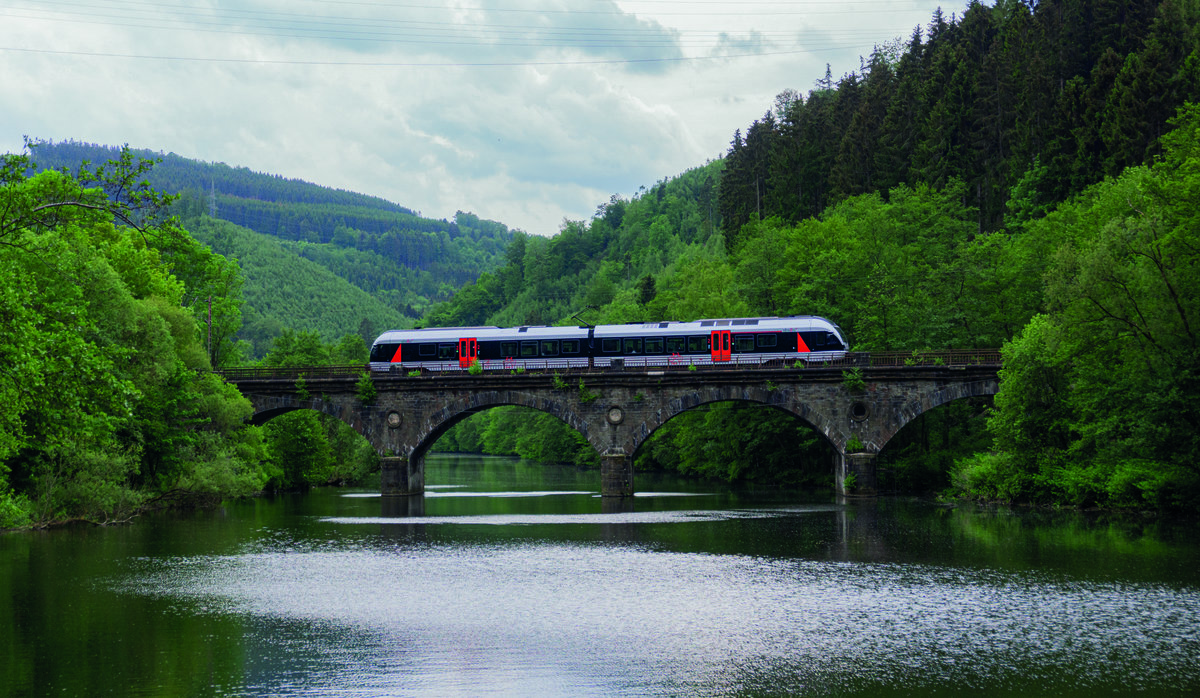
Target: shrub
x,y
14,510
853,380
365,389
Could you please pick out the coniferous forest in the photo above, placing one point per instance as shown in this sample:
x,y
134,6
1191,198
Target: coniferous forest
x,y
1023,175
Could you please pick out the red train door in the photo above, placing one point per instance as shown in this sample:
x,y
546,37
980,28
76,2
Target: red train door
x,y
722,345
468,352
396,356
800,345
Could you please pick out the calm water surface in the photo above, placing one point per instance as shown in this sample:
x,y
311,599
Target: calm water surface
x,y
515,578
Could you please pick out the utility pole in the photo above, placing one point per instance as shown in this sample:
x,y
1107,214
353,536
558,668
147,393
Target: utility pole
x,y
212,197
210,354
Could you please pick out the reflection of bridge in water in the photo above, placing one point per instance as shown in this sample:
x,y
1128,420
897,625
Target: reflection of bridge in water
x,y
858,403
848,530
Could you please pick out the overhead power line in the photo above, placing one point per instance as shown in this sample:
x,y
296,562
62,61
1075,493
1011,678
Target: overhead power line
x,y
418,64
425,28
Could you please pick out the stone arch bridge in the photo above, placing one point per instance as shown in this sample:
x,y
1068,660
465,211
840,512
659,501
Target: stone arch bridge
x,y
859,404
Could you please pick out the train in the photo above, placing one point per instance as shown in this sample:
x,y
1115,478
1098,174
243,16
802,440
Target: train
x,y
756,340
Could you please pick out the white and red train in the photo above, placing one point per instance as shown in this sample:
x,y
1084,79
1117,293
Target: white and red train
x,y
734,340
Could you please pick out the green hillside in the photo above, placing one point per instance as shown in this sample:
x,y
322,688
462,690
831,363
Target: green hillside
x,y
284,290
383,248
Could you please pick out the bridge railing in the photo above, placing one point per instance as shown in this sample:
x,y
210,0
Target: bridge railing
x,y
965,357
262,372
851,360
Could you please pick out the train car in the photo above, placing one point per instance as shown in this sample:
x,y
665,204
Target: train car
x,y
735,341
719,341
493,348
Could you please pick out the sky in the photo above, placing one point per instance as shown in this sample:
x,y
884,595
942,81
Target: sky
x,y
527,112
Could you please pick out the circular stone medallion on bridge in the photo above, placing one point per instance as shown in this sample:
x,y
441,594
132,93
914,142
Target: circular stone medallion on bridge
x,y
615,415
394,420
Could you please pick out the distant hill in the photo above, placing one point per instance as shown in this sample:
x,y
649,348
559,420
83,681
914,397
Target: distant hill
x,y
283,289
399,262
291,209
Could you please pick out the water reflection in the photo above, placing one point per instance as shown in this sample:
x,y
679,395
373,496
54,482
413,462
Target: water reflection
x,y
402,507
557,591
563,617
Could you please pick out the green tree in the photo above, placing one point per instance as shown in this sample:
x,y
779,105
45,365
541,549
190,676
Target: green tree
x,y
111,406
1099,397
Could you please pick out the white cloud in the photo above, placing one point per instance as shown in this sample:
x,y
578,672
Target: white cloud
x,y
511,109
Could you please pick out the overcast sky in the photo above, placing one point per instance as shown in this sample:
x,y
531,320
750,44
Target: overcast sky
x,y
521,111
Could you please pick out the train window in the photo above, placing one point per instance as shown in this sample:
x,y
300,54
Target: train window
x,y
383,352
633,345
570,346
831,341
610,345
767,340
508,349
698,345
529,349
549,347
654,345
447,352
743,343
675,345
428,350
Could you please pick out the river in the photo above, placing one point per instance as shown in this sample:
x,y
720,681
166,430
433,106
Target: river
x,y
515,578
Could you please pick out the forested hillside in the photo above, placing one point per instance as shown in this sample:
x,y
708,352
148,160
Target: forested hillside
x,y
283,289
925,202
387,251
1048,97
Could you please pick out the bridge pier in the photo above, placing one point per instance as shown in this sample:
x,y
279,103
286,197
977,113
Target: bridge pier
x,y
400,476
616,475
862,467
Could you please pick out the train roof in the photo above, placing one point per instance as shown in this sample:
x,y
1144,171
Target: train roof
x,y
453,334
794,323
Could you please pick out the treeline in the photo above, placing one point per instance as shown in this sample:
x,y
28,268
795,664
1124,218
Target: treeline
x,y
983,222
1056,93
175,174
108,405
1100,393
450,251
387,251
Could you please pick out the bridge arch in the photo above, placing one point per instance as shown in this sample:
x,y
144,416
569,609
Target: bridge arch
x,y
276,406
455,411
783,399
916,407
778,401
